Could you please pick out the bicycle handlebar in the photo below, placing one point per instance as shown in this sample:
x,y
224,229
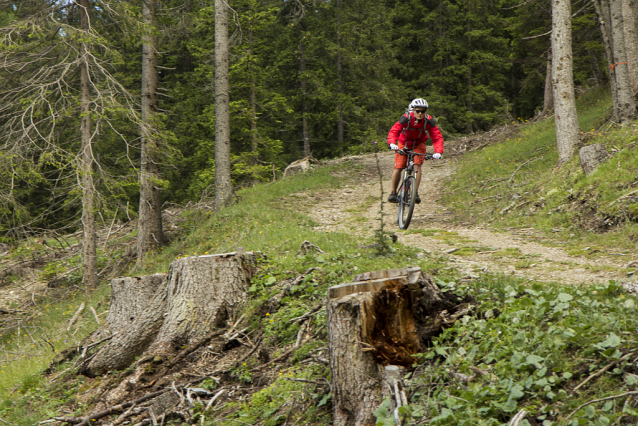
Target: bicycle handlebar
x,y
406,152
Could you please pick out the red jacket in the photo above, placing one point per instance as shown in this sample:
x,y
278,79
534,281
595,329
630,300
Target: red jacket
x,y
415,133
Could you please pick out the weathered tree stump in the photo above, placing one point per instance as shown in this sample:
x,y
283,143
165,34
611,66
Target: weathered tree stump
x,y
129,298
299,166
370,326
199,294
591,156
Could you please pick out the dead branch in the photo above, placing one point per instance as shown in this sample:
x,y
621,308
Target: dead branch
x,y
307,246
509,181
602,370
75,317
305,316
192,348
279,358
86,421
249,354
593,401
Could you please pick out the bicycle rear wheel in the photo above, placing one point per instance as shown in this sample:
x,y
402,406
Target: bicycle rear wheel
x,y
406,198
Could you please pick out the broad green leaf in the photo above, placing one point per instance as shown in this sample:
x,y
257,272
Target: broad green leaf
x,y
270,280
631,379
534,360
325,399
517,392
612,341
519,340
564,297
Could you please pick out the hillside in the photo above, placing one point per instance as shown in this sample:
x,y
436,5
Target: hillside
x,y
553,326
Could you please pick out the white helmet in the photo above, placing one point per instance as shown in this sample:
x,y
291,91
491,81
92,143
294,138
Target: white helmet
x,y
418,102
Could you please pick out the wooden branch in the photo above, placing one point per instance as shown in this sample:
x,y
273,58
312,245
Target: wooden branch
x,y
279,358
518,418
86,421
509,181
602,399
305,316
75,317
188,351
602,370
245,357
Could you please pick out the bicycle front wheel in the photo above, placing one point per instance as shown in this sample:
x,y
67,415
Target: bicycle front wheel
x,y
406,198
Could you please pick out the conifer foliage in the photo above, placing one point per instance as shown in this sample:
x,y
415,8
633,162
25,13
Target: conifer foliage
x,y
305,77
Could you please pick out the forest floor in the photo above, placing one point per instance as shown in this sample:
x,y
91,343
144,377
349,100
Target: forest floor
x,y
522,252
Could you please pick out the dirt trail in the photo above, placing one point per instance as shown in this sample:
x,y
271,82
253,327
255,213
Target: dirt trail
x,y
471,249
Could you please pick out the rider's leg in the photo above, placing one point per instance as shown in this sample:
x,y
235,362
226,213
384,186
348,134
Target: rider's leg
x,y
418,175
396,176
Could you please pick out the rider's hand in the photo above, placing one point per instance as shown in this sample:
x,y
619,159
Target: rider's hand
x,y
436,156
394,146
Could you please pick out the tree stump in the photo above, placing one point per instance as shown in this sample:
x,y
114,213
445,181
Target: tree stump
x,y
370,326
129,298
199,294
591,156
299,166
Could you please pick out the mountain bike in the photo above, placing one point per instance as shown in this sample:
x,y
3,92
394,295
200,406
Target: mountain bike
x,y
406,194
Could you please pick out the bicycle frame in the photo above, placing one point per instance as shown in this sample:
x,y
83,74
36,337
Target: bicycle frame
x,y
407,191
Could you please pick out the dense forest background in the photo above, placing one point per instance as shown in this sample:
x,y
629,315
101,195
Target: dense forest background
x,y
333,75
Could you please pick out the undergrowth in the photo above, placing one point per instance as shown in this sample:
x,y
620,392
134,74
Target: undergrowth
x,y
529,346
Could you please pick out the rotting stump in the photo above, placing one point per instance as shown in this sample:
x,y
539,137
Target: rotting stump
x,y
371,325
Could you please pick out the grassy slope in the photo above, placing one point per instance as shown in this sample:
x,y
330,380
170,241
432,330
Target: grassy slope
x,y
545,341
514,184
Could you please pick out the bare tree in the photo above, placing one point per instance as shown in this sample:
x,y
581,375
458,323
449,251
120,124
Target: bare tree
x,y
150,230
615,35
304,94
631,41
620,66
42,54
604,21
548,99
340,91
565,117
222,107
90,279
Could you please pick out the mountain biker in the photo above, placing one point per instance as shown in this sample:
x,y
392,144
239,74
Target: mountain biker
x,y
411,131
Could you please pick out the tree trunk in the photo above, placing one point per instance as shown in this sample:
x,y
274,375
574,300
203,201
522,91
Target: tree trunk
x,y
198,295
370,325
150,233
548,100
631,41
604,20
620,68
565,117
340,123
222,108
89,279
469,127
304,102
253,104
595,68
591,156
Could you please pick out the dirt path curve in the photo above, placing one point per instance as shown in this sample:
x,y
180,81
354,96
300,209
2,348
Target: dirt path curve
x,y
471,249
